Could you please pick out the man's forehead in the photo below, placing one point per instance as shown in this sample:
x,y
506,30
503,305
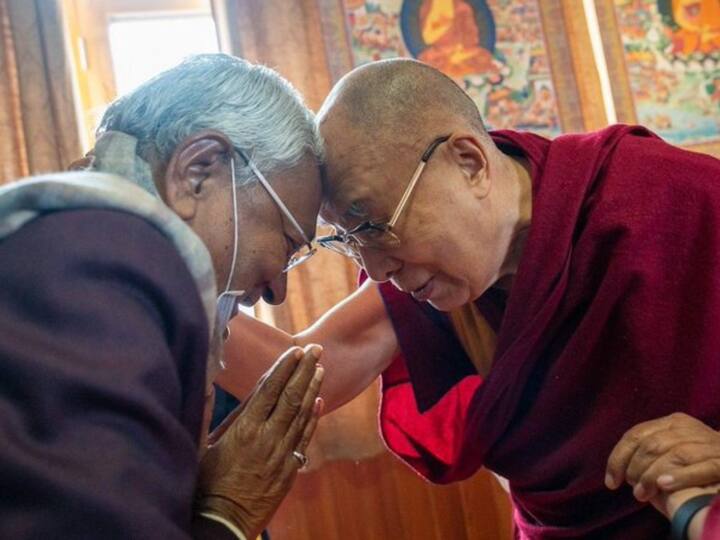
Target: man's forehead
x,y
300,190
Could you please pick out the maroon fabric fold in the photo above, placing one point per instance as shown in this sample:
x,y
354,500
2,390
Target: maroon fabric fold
x,y
440,362
612,320
711,530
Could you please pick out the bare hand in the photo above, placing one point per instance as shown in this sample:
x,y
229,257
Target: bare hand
x,y
665,455
668,503
249,466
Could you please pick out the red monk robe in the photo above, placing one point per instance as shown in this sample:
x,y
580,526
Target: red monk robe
x,y
613,319
712,522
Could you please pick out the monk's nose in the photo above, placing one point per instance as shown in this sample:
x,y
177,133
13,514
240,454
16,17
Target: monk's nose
x,y
378,265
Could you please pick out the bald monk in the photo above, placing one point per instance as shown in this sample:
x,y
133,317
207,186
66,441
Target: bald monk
x,y
545,309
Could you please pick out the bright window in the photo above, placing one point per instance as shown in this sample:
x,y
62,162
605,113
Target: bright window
x,y
142,47
118,44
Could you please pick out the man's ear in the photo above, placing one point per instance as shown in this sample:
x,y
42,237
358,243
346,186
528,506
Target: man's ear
x,y
199,164
470,154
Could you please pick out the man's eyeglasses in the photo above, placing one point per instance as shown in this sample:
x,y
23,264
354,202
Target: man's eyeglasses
x,y
307,250
373,234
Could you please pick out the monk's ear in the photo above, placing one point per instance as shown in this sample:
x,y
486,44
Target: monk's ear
x,y
198,165
471,156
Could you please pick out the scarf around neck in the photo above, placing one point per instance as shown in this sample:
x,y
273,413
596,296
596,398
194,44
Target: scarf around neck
x,y
117,179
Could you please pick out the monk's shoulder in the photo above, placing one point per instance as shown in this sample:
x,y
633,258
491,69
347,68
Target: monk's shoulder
x,y
647,185
656,164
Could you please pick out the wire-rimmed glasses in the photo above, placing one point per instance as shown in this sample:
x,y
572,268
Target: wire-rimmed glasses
x,y
305,251
373,234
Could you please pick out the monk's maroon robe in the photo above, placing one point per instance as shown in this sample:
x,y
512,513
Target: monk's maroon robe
x,y
613,319
711,531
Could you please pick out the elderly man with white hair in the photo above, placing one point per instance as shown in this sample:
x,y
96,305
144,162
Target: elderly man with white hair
x,y
204,180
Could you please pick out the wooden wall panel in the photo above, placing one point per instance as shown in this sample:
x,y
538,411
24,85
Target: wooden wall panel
x,y
585,68
382,499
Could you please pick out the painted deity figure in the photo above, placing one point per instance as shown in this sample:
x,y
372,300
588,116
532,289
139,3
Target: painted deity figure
x,y
699,22
452,37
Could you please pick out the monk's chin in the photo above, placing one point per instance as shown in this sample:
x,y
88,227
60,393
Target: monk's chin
x,y
441,307
449,302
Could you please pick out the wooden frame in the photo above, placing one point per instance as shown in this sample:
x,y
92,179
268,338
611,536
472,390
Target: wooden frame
x,y
618,72
87,22
572,64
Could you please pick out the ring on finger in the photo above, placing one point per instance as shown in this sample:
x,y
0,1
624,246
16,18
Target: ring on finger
x,y
302,458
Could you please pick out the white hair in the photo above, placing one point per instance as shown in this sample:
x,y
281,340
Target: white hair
x,y
259,111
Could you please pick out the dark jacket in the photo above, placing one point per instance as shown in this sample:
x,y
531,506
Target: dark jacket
x,y
103,348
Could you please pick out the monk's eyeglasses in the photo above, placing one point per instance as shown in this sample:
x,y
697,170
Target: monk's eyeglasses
x,y
307,249
374,234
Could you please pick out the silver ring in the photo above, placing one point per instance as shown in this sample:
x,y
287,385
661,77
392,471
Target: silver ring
x,y
302,458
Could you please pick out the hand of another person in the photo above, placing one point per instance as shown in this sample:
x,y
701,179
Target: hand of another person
x,y
667,454
668,503
249,466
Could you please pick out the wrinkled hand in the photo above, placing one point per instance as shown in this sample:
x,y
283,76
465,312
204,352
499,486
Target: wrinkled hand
x,y
664,456
249,466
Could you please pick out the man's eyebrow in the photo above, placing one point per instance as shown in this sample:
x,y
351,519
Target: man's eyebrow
x,y
295,244
311,236
299,242
294,235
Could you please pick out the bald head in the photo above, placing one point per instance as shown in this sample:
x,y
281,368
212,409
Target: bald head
x,y
400,98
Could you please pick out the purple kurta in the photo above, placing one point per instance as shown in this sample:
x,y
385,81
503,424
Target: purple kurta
x,y
103,348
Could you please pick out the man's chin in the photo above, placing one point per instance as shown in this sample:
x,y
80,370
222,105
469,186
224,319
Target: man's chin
x,y
449,302
443,304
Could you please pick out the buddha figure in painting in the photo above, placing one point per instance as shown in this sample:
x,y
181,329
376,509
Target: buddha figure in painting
x,y
451,33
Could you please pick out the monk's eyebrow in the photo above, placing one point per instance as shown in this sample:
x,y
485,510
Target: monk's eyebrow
x,y
357,209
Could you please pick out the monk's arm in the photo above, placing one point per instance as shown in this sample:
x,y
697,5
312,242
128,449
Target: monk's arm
x,y
357,336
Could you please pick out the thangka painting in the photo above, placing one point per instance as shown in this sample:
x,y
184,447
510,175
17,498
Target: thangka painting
x,y
494,49
672,55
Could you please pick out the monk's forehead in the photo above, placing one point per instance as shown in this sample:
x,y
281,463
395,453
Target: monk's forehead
x,y
364,181
367,170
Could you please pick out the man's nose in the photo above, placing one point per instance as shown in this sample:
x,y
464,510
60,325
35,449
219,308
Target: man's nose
x,y
276,290
378,264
